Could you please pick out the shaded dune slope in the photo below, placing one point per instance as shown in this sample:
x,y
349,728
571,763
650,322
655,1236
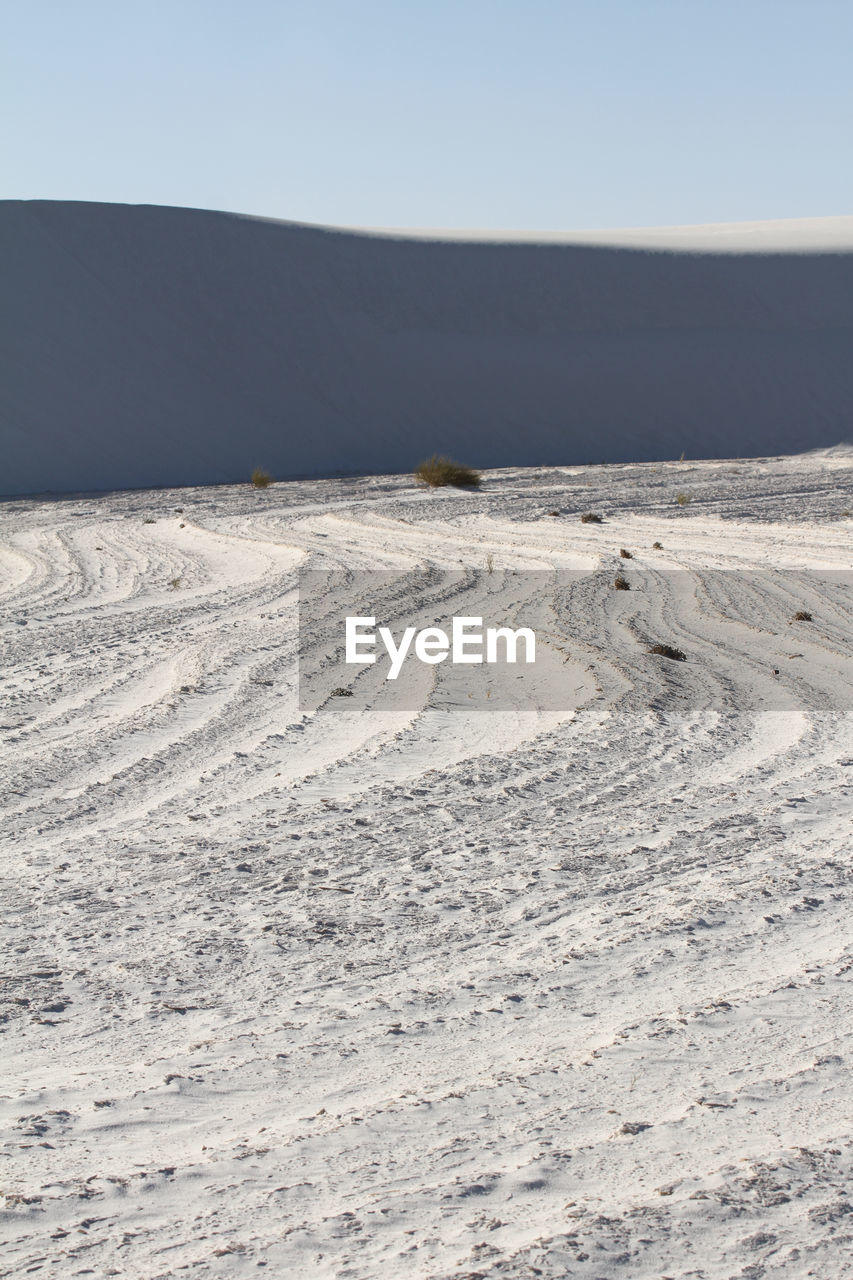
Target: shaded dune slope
x,y
146,346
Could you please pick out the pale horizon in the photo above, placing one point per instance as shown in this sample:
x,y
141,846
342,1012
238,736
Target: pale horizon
x,y
722,235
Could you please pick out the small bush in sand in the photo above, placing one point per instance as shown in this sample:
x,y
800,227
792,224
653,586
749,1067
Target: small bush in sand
x,y
556,513
589,517
621,584
174,583
802,615
682,499
261,479
439,471
341,692
626,555
657,546
149,520
667,651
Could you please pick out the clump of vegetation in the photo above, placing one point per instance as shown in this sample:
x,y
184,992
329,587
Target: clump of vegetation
x,y
682,499
621,584
626,555
589,517
657,546
802,615
556,513
439,471
668,651
149,520
341,692
174,583
261,479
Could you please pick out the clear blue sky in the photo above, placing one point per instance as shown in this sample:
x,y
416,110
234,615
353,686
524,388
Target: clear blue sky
x,y
540,114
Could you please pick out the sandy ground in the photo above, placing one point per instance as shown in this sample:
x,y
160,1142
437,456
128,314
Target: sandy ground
x,y
396,995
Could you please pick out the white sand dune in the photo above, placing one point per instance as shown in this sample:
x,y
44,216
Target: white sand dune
x,y
147,346
409,993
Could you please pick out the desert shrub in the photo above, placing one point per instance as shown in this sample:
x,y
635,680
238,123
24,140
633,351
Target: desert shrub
x,y
682,499
667,651
621,584
438,471
802,615
149,520
626,555
174,583
556,513
341,692
261,479
657,546
589,517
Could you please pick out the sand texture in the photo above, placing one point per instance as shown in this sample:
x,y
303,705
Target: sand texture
x,y
405,992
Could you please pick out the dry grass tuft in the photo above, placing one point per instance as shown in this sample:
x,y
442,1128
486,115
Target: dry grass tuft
x,y
802,615
589,517
438,471
261,479
626,555
621,584
657,546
